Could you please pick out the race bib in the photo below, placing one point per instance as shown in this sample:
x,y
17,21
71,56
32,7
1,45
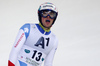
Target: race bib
x,y
31,56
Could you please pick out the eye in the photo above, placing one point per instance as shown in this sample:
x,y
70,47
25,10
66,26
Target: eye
x,y
44,13
52,14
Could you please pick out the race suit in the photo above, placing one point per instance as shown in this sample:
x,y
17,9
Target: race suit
x,y
32,46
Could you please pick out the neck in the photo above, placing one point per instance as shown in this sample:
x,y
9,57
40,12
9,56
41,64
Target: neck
x,y
45,29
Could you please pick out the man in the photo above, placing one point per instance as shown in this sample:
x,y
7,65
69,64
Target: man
x,y
35,43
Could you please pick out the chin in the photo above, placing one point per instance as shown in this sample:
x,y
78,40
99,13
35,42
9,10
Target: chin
x,y
48,26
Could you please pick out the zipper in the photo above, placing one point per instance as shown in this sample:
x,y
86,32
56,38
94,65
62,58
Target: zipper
x,y
44,32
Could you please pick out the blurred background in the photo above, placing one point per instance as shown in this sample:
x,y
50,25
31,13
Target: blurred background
x,y
77,28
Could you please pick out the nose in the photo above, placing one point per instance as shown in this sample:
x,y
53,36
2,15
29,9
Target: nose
x,y
48,16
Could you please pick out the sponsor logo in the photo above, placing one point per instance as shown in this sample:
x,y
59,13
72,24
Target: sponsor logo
x,y
32,62
27,51
47,6
33,26
21,56
19,40
42,59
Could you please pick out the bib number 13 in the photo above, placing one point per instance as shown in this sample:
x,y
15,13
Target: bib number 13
x,y
37,55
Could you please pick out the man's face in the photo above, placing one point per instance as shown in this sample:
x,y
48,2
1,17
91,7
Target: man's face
x,y
47,22
48,17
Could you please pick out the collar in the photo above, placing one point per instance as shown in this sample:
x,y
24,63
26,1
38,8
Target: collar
x,y
42,30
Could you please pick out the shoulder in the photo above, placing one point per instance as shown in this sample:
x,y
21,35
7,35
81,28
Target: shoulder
x,y
27,25
26,28
54,37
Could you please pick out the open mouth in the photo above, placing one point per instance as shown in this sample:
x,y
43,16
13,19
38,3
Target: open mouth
x,y
47,20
